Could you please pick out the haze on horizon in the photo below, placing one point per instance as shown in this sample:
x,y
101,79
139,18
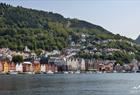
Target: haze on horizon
x,y
118,16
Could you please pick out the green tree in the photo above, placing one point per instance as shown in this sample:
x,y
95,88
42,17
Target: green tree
x,y
17,59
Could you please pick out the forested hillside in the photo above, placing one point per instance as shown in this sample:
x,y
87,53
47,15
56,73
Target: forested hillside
x,y
20,27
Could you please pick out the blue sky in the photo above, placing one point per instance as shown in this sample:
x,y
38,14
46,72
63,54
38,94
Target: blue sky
x,y
118,16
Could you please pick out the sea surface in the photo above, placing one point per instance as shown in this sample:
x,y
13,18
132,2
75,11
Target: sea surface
x,y
71,84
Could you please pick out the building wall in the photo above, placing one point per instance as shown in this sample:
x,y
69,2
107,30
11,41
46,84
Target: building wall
x,y
51,67
19,67
99,65
43,68
12,67
1,66
6,67
73,64
82,65
27,68
36,67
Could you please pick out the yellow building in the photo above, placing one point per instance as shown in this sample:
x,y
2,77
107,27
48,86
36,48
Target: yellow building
x,y
6,67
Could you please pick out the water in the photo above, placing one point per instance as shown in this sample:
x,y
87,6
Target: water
x,y
71,84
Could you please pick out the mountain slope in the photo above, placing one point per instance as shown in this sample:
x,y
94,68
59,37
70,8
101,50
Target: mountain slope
x,y
39,29
20,27
138,39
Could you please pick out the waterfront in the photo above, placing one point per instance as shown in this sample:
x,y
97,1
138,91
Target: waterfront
x,y
71,84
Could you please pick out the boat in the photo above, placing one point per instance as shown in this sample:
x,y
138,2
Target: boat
x,y
77,72
13,73
50,72
66,72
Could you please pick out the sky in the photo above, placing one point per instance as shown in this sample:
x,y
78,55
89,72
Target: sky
x,y
117,16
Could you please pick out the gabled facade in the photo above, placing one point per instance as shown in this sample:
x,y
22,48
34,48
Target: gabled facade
x,y
82,64
27,67
56,64
36,66
6,67
43,63
19,67
73,64
12,67
43,67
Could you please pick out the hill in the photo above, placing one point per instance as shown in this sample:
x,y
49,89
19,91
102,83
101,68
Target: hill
x,y
20,27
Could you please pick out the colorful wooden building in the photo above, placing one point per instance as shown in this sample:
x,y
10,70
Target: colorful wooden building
x,y
27,67
57,64
36,66
43,63
12,67
19,67
6,67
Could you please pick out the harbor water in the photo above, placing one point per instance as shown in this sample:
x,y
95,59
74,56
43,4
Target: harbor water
x,y
71,84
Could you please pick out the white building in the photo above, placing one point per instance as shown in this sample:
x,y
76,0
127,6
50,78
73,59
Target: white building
x,y
19,67
82,64
43,68
73,64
